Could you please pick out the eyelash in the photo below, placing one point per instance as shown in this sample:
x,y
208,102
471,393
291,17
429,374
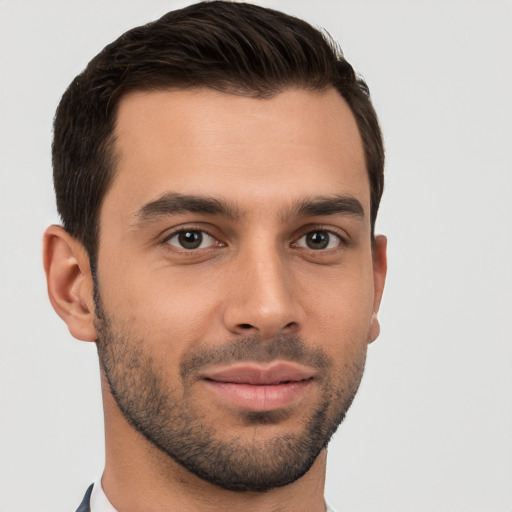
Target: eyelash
x,y
342,242
190,229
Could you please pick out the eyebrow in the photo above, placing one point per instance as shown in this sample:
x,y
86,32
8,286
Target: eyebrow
x,y
330,205
173,203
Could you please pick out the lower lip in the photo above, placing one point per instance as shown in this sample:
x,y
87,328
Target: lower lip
x,y
260,397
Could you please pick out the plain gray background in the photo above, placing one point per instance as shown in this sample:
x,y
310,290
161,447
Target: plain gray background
x,y
431,428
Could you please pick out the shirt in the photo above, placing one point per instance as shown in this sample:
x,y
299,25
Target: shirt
x,y
100,503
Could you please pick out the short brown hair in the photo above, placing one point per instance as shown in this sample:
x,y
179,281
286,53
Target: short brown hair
x,y
231,47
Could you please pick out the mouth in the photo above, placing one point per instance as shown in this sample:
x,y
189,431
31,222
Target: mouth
x,y
261,388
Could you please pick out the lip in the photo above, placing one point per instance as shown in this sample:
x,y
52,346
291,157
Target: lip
x,y
255,387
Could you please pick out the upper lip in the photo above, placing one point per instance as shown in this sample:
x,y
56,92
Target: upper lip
x,y
260,375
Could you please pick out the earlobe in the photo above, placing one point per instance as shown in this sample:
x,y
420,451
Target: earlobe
x,y
380,267
69,281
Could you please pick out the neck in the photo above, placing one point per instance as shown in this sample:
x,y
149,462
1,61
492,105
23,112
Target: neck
x,y
138,476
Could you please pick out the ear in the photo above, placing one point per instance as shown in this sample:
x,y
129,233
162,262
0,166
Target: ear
x,y
69,281
380,267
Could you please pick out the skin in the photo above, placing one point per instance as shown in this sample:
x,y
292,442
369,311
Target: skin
x,y
253,276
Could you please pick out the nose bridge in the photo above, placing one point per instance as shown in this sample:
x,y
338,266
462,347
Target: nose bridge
x,y
262,299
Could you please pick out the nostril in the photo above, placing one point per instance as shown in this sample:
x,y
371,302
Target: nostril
x,y
246,326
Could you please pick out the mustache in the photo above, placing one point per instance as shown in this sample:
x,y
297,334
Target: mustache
x,y
253,349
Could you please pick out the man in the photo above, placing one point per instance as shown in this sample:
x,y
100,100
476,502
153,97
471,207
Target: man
x,y
218,173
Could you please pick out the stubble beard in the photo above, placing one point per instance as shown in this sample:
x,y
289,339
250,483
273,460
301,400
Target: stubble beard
x,y
171,421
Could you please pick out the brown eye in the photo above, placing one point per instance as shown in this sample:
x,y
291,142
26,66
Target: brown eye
x,y
318,240
191,239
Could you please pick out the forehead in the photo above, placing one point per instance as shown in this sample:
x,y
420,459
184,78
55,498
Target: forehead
x,y
295,144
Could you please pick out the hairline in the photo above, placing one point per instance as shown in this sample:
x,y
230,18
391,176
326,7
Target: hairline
x,y
113,156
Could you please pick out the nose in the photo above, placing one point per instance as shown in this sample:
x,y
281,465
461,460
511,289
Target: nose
x,y
263,299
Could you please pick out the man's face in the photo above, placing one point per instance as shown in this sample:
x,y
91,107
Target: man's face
x,y
235,278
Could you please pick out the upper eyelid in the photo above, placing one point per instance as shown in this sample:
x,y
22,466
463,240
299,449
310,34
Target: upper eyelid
x,y
175,233
168,233
341,241
330,231
342,234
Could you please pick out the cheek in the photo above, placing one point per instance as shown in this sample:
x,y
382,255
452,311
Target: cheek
x,y
170,311
340,313
342,300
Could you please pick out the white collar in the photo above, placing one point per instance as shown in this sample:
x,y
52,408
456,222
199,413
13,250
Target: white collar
x,y
99,501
